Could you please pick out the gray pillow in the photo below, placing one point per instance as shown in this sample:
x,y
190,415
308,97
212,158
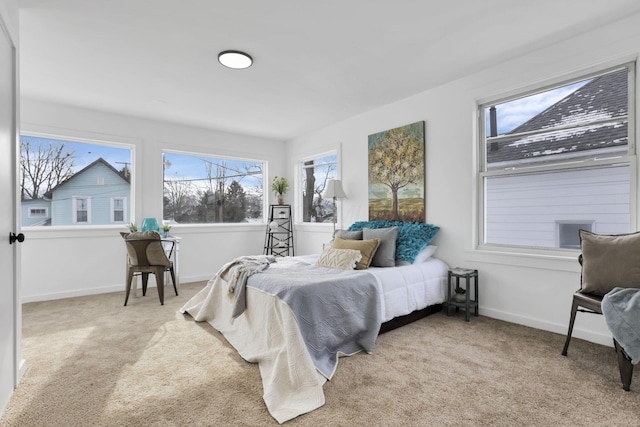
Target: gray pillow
x,y
385,256
349,235
609,261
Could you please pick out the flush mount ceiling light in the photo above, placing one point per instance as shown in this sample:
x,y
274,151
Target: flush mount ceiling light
x,y
235,59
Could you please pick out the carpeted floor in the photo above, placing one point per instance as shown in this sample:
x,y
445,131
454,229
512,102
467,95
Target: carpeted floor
x,y
93,362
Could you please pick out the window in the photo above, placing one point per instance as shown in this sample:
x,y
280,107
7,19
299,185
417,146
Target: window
x,y
118,210
316,172
69,177
38,212
81,210
200,189
553,157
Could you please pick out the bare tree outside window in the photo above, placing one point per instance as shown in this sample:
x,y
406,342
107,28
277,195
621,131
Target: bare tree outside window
x,y
201,189
43,167
315,175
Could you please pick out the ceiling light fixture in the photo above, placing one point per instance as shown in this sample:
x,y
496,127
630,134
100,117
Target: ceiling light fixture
x,y
235,59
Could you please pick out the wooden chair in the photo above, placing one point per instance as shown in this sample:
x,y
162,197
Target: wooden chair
x,y
146,255
592,303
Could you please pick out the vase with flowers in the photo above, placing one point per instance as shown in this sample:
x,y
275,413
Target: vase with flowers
x,y
280,186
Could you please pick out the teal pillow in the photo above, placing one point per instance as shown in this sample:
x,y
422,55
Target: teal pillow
x,y
412,238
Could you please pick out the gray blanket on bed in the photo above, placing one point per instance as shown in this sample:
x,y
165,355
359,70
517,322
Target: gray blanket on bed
x,y
338,311
621,310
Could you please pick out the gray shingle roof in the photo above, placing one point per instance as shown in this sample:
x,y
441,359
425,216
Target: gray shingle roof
x,y
604,97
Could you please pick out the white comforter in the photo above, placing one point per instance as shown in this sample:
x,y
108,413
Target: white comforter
x,y
270,335
407,288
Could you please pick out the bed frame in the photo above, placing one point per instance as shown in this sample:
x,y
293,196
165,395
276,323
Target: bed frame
x,y
397,322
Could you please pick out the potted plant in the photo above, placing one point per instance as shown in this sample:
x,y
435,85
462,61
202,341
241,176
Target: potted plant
x,y
460,295
165,230
280,186
133,227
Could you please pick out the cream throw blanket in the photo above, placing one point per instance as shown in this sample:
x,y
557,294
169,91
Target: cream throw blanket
x,y
269,337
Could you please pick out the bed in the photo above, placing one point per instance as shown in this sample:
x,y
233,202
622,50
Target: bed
x,y
294,316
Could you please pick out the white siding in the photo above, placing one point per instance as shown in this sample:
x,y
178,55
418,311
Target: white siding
x,y
525,210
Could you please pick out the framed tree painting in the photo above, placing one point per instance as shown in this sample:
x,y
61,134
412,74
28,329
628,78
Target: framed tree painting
x,y
396,174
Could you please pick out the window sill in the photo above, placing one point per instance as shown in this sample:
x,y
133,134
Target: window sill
x,y
319,227
559,260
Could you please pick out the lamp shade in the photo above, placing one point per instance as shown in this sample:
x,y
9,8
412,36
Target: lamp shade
x,y
334,189
150,224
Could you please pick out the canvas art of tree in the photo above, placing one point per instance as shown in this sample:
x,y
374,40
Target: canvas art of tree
x,y
396,174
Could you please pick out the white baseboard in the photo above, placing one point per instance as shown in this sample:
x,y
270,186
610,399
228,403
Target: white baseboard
x,y
102,290
21,370
71,294
557,328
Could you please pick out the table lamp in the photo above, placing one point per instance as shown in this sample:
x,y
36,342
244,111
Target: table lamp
x,y
335,191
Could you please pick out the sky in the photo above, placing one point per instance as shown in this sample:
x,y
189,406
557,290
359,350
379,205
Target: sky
x,y
84,153
193,167
513,113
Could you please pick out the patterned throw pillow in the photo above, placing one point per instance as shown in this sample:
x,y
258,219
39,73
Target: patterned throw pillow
x,y
344,259
366,247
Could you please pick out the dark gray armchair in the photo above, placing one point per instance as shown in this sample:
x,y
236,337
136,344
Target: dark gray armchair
x,y
608,262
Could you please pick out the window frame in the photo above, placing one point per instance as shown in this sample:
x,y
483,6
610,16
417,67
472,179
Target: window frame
x,y
43,208
299,187
89,138
75,210
124,210
629,159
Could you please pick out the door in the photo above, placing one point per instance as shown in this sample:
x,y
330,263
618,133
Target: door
x,y
10,312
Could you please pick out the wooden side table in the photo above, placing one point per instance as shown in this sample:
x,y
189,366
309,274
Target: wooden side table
x,y
469,302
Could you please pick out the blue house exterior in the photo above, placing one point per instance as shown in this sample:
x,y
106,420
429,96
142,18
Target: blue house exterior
x,y
96,195
36,212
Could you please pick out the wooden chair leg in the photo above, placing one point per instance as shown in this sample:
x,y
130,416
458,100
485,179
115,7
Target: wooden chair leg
x,y
129,280
574,310
626,368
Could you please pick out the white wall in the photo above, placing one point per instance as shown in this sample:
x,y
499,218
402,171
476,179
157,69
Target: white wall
x,y
528,289
59,263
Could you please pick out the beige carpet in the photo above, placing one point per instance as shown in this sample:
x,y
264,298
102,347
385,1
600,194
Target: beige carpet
x,y
93,362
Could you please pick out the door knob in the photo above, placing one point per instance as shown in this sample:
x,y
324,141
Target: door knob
x,y
13,237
